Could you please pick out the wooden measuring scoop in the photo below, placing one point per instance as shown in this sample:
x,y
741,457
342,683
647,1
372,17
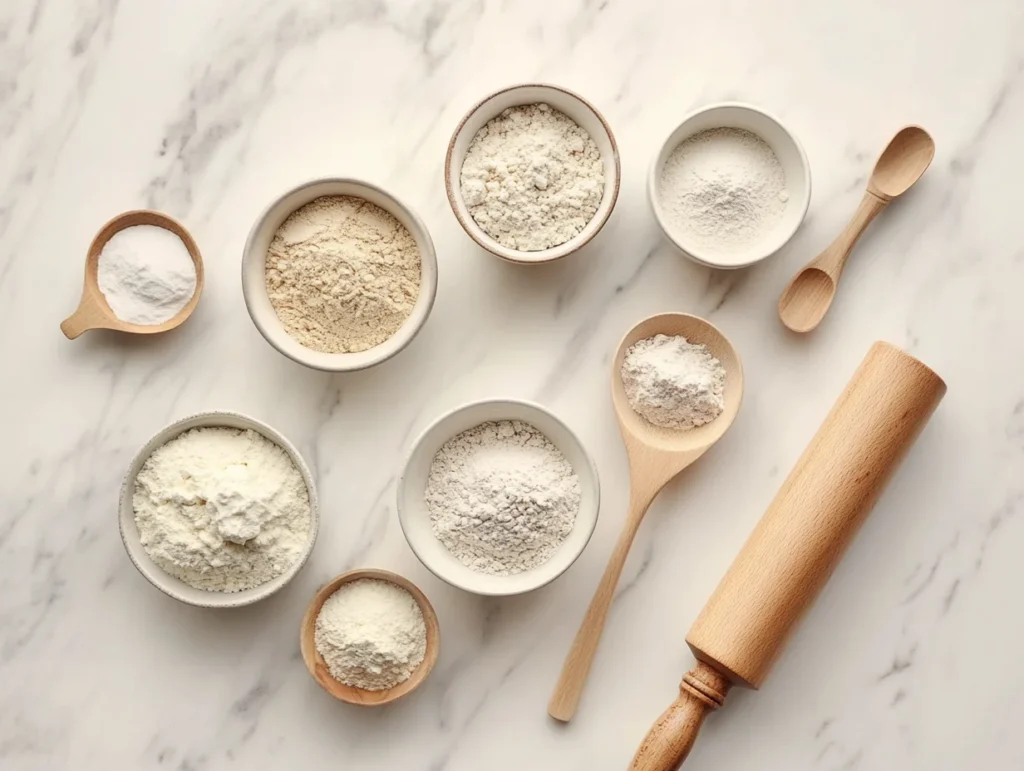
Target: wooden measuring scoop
x,y
809,295
94,312
656,455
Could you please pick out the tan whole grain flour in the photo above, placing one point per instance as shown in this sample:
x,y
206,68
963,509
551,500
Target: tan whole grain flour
x,y
342,274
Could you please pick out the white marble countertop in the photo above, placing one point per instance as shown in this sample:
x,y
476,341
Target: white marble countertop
x,y
207,110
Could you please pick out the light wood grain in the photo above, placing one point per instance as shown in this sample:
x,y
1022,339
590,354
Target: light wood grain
x,y
806,529
318,667
807,298
656,455
93,311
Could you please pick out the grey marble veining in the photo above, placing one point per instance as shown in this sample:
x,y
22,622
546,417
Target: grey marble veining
x,y
911,659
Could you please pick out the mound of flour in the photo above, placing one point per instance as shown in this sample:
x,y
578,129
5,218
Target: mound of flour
x,y
502,498
222,509
673,383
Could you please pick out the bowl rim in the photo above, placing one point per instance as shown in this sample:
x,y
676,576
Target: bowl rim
x,y
652,187
390,347
552,253
163,580
414,448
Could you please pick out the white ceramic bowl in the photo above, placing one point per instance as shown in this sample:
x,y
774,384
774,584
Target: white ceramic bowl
x,y
172,585
254,286
785,145
415,519
563,100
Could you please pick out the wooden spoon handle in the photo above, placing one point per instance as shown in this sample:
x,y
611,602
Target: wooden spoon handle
x,y
566,695
87,316
834,257
671,738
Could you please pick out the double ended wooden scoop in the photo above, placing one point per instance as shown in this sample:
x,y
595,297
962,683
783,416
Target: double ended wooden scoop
x,y
93,311
656,455
806,300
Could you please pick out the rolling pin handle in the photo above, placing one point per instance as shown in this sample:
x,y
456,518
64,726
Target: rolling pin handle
x,y
671,738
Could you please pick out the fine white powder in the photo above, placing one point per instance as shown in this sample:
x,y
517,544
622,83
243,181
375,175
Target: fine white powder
x,y
723,190
371,634
501,497
222,509
342,274
532,178
146,274
673,383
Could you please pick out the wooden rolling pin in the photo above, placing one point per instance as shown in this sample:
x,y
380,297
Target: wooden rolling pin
x,y
798,542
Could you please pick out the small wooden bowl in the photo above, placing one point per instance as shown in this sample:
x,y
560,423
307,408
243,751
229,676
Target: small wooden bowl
x,y
318,667
93,311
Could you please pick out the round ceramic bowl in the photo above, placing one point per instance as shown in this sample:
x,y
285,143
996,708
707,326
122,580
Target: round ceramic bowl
x,y
254,286
563,100
790,154
349,693
172,585
415,519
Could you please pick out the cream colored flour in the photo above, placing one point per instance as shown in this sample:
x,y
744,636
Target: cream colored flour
x,y
342,274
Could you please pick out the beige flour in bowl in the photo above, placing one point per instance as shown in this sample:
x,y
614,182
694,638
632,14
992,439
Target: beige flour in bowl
x,y
342,274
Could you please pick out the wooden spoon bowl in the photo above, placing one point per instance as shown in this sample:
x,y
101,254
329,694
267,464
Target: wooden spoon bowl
x,y
656,455
651,446
318,667
94,312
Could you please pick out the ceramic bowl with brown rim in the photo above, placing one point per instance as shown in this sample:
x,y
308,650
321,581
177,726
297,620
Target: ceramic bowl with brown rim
x,y
575,107
318,667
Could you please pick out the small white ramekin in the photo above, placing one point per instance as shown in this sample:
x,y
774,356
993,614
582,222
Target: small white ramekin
x,y
790,154
254,287
415,519
573,105
172,585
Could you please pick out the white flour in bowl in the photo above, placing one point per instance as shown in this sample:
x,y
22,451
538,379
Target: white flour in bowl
x,y
223,509
532,178
371,633
501,497
723,190
673,383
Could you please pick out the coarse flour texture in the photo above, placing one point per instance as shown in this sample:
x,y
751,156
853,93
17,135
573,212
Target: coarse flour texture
x,y
673,383
532,178
342,274
724,189
222,509
502,497
371,634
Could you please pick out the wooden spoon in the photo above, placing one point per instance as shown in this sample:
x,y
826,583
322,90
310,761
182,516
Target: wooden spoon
x,y
656,455
806,300
318,667
93,311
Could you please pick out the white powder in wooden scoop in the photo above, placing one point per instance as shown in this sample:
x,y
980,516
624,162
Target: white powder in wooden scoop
x,y
146,274
673,383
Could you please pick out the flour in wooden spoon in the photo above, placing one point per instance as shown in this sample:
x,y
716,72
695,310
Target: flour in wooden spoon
x,y
673,383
